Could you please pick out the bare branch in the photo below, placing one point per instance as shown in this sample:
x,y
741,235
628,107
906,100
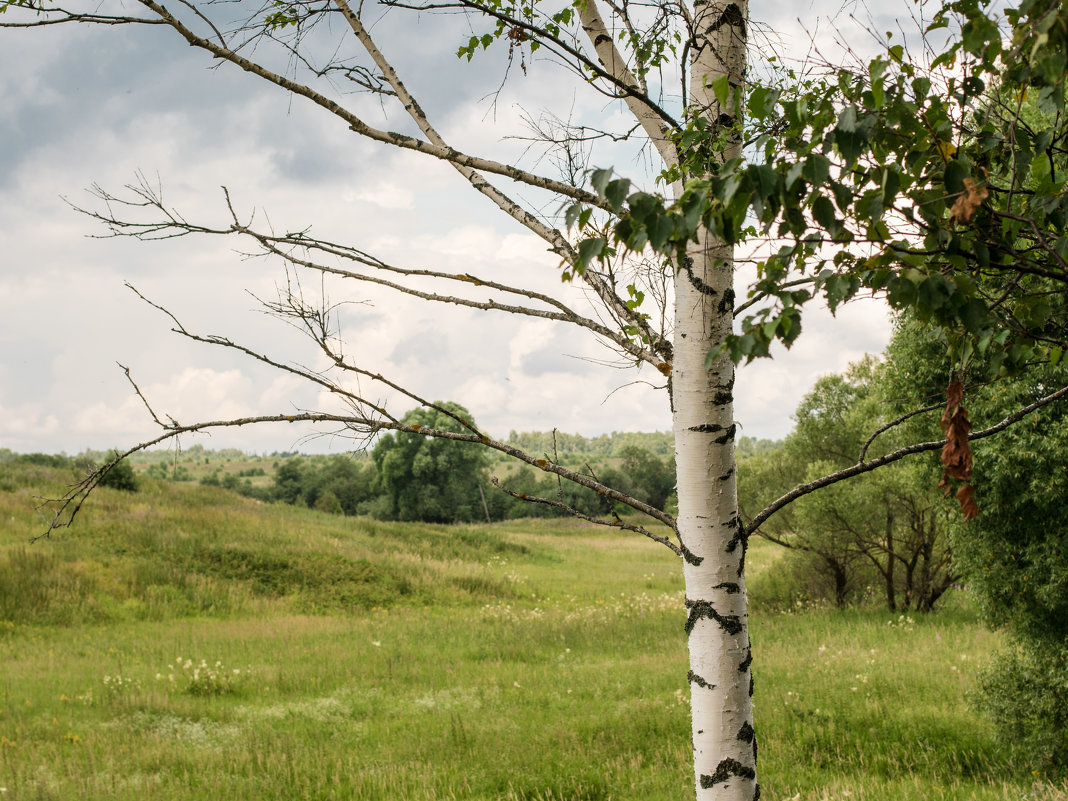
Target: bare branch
x,y
359,126
553,237
635,96
616,523
895,422
366,417
894,456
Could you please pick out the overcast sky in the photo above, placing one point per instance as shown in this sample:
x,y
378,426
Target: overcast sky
x,y
100,106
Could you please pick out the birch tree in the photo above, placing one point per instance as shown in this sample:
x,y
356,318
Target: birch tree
x,y
821,162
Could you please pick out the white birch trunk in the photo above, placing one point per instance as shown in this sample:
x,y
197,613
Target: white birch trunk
x,y
724,740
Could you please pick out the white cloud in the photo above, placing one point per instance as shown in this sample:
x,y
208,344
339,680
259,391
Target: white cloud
x,y
23,427
88,106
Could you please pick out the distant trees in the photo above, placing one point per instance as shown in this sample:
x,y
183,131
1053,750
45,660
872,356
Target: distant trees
x,y
313,482
888,529
411,477
435,480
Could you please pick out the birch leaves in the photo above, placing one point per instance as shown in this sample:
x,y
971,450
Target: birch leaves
x,y
940,188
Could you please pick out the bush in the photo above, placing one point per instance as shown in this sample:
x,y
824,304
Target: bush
x,y
121,477
1025,691
328,502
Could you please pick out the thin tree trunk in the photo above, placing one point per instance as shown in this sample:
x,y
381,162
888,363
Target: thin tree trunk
x,y
711,530
891,600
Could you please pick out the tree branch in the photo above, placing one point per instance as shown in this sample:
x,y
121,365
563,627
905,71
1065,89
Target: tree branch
x,y
901,453
617,523
444,153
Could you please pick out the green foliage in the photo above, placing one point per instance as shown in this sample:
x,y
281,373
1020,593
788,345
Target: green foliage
x,y
313,482
1016,551
888,529
941,189
121,477
432,479
652,480
328,502
1024,691
1015,558
1012,556
557,444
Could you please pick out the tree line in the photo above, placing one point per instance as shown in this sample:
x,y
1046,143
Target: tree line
x,y
411,477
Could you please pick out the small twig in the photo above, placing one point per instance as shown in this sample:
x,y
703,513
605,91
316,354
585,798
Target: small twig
x,y
617,523
896,422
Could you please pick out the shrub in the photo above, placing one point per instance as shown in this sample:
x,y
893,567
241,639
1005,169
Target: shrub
x,y
121,477
1025,691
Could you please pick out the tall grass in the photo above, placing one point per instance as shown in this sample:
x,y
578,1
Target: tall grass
x,y
534,660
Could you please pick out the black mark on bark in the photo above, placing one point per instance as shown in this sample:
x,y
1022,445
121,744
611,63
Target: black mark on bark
x,y
726,305
724,770
696,280
728,435
746,734
690,557
745,663
732,15
739,533
732,624
740,536
707,428
693,678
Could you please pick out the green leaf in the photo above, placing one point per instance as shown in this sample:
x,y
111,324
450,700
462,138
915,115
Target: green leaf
x,y
721,88
616,193
762,102
588,250
823,211
600,179
816,169
974,315
660,228
847,120
875,75
955,174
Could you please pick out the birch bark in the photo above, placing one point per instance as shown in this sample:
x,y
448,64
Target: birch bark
x,y
724,740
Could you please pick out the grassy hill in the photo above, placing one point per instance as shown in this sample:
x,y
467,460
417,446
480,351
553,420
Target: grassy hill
x,y
184,642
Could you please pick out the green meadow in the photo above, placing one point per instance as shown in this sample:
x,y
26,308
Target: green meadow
x,y
185,642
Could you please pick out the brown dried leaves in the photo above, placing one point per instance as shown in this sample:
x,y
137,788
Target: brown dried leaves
x,y
968,202
956,454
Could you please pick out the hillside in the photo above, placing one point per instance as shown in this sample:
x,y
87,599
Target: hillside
x,y
186,642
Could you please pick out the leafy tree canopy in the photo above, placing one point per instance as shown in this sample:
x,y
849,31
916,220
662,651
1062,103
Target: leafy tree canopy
x,y
436,480
940,185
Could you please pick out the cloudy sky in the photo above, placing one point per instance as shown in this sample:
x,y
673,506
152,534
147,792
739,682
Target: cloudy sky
x,y
100,106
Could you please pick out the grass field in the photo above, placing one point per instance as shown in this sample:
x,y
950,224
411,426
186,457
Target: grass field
x,y
187,643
